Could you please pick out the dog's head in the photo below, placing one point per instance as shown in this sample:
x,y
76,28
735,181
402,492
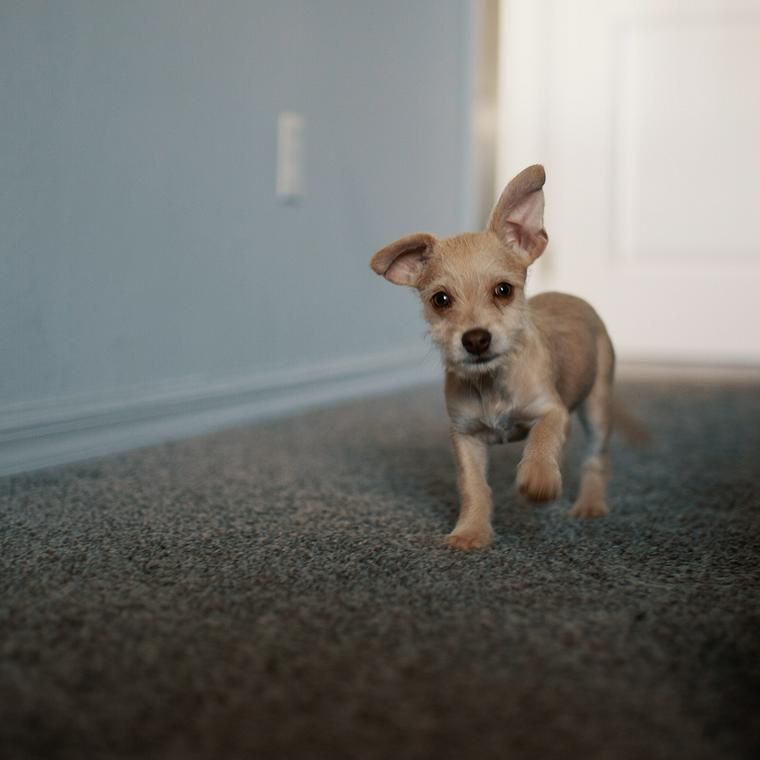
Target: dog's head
x,y
472,285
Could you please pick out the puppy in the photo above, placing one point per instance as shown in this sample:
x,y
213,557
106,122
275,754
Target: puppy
x,y
515,367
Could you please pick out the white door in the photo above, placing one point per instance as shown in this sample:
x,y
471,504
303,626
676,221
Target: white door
x,y
646,114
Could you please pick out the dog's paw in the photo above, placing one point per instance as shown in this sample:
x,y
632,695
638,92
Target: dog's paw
x,y
539,479
588,508
470,537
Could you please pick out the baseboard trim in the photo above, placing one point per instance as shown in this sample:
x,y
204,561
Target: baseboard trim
x,y
688,372
48,433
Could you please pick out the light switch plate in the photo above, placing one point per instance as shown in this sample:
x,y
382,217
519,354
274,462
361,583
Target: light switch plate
x,y
290,156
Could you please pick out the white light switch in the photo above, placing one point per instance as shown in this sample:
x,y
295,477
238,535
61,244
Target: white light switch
x,y
290,151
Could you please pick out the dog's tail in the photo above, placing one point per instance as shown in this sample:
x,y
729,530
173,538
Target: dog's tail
x,y
628,425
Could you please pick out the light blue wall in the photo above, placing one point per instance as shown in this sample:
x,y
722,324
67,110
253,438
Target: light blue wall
x,y
140,240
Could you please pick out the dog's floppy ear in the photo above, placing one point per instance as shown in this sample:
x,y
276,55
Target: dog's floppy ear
x,y
518,217
402,262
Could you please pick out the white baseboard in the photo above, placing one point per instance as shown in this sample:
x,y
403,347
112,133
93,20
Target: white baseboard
x,y
688,372
47,433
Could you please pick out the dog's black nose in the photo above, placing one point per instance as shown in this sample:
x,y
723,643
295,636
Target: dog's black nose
x,y
476,341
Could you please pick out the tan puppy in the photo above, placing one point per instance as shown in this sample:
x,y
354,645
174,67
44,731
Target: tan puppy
x,y
515,368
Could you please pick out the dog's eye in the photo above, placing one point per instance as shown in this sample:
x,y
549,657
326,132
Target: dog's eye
x,y
503,290
441,300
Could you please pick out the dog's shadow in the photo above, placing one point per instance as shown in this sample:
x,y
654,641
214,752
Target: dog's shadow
x,y
422,471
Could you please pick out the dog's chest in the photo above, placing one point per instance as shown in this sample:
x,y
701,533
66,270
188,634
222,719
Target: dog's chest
x,y
492,418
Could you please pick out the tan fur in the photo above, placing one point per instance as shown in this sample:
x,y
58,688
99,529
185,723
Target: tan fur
x,y
547,356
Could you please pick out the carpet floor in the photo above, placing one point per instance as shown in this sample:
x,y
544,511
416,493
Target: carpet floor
x,y
281,591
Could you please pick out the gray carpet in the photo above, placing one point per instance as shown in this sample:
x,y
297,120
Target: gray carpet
x,y
280,591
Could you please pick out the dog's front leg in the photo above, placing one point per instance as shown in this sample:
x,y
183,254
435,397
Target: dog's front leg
x,y
473,529
538,474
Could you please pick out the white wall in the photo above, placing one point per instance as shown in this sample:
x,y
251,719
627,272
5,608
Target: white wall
x,y
646,114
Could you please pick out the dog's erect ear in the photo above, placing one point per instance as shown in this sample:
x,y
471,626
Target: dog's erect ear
x,y
402,262
518,216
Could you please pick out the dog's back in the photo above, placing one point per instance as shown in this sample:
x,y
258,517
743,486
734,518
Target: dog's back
x,y
578,341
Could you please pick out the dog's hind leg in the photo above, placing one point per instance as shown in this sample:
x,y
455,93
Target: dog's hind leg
x,y
596,415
